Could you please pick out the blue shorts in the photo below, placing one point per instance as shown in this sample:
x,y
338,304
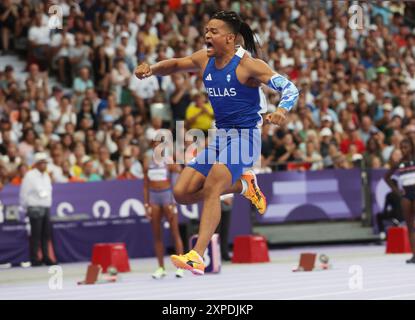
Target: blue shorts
x,y
238,149
161,197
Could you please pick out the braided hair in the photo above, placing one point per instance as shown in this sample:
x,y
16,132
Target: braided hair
x,y
234,21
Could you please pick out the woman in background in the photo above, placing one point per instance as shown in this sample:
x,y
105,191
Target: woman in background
x,y
404,171
159,202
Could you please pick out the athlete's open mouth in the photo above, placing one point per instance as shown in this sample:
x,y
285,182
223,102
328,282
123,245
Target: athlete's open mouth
x,y
209,45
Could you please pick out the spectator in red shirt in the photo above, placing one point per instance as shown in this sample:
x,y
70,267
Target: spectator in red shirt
x,y
352,137
127,163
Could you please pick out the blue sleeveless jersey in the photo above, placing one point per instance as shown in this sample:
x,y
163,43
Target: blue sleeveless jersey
x,y
235,105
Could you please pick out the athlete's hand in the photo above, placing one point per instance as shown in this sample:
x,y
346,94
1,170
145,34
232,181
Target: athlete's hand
x,y
143,71
278,117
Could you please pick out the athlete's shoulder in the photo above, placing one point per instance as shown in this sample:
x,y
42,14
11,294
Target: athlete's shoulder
x,y
254,65
200,57
256,68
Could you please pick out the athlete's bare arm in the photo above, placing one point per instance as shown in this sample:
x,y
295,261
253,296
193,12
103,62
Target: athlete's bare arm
x,y
195,62
390,182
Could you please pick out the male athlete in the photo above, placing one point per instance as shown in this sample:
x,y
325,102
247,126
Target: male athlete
x,y
232,79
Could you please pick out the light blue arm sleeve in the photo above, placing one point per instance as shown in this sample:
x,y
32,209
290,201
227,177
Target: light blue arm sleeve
x,y
287,89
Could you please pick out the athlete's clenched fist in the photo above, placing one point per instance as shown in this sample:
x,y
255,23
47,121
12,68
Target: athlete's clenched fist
x,y
278,117
143,71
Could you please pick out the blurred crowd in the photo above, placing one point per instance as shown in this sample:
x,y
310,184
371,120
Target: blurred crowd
x,y
79,101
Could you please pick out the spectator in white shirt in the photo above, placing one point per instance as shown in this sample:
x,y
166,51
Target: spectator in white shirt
x,y
66,115
410,77
39,79
120,76
130,49
53,103
36,198
61,44
39,39
143,91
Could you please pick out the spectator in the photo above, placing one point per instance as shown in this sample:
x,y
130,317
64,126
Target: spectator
x,y
120,77
127,163
39,80
8,18
18,177
65,53
53,103
68,175
66,115
102,70
27,146
313,157
11,161
48,135
98,104
284,151
86,112
199,114
82,83
79,56
39,41
352,138
180,98
105,163
112,112
372,152
36,198
88,173
367,129
142,92
78,159
56,166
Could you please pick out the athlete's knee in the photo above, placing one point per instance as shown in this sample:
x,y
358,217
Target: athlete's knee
x,y
181,194
213,188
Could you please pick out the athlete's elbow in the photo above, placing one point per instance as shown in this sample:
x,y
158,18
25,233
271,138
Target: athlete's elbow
x,y
290,96
295,93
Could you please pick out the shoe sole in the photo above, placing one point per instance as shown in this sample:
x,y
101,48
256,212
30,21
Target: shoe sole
x,y
181,265
250,172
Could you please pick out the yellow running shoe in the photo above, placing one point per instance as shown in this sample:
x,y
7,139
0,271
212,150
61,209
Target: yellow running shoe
x,y
190,261
253,193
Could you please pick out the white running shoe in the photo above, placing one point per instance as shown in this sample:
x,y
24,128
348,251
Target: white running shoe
x,y
179,273
159,273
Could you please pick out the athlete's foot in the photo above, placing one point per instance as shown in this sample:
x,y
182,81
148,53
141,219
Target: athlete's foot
x,y
179,273
190,261
159,273
253,192
412,260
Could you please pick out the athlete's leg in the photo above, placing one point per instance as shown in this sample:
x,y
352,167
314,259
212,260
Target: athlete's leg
x,y
170,212
157,233
189,186
408,213
217,182
189,182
